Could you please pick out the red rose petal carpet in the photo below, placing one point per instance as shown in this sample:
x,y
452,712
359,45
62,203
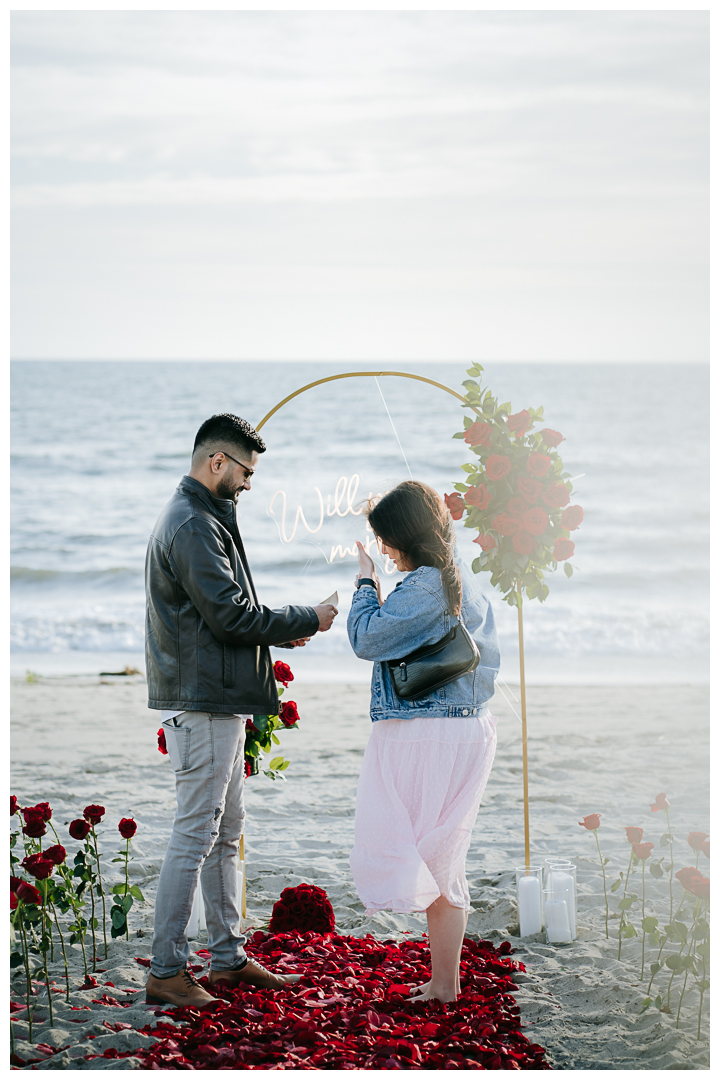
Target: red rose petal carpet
x,y
351,1012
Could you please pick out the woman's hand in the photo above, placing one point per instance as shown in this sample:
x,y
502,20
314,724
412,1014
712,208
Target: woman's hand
x,y
367,566
367,569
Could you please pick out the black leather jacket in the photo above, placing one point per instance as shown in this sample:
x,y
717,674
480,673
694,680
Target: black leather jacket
x,y
207,637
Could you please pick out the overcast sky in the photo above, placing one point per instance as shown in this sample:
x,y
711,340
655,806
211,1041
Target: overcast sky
x,y
360,185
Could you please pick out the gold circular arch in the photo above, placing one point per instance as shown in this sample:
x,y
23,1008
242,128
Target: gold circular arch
x,y
354,375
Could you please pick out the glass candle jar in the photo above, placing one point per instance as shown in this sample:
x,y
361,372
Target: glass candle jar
x,y
562,883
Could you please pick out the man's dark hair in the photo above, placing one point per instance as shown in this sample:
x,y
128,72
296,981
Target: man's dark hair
x,y
224,429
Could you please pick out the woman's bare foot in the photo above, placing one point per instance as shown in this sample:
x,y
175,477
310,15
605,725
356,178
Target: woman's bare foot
x,y
430,993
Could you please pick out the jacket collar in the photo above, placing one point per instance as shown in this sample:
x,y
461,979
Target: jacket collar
x,y
220,508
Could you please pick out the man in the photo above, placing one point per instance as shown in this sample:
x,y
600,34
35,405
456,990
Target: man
x,y
209,669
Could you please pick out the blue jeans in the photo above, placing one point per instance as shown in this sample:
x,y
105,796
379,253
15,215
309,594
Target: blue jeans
x,y
207,753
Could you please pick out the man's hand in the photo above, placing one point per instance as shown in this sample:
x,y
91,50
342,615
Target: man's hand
x,y
299,642
326,613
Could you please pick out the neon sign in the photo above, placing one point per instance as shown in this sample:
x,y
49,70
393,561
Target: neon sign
x,y
338,504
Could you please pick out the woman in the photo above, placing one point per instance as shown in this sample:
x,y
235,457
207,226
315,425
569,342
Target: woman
x,y
427,762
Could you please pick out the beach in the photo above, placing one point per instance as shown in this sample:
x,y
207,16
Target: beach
x,y
592,749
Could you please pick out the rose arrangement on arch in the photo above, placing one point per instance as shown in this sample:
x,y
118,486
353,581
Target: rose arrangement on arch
x,y
516,495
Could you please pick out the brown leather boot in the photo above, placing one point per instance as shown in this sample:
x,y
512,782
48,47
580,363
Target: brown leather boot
x,y
253,974
181,989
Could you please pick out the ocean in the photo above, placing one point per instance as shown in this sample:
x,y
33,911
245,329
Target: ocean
x,y
98,448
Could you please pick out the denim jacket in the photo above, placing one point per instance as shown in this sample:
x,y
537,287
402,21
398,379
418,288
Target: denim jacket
x,y
416,613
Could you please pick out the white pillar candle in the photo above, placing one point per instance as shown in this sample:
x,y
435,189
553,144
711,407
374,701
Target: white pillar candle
x,y
529,905
557,921
563,888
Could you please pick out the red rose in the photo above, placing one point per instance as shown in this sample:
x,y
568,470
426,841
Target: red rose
x,y
162,745
538,464
282,673
571,517
686,875
289,714
127,828
248,768
478,496
660,803
519,423
505,525
551,438
28,893
516,506
700,887
529,488
497,466
14,805
696,840
57,854
79,829
634,835
591,822
42,811
34,826
38,866
535,521
478,434
486,541
304,908
642,851
556,495
15,883
94,814
524,543
705,848
46,810
562,550
456,505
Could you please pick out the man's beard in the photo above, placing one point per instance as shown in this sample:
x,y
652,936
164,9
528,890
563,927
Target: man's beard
x,y
226,490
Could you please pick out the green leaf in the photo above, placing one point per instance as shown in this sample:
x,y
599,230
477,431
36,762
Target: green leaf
x,y
275,739
126,904
645,1003
629,931
703,949
626,903
616,885
568,570
120,858
276,762
656,870
476,567
658,1002
653,941
462,488
117,916
120,888
459,435
674,962
16,959
135,891
649,924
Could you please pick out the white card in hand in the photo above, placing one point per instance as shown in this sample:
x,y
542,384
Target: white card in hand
x,y
331,599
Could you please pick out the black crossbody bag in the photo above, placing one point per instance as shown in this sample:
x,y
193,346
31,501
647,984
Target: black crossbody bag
x,y
433,666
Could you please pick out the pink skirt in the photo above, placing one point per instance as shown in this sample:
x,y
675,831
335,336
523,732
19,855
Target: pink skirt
x,y
419,791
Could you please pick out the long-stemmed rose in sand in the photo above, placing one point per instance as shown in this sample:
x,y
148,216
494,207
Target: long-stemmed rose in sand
x,y
661,803
591,822
260,731
80,829
94,814
642,852
41,868
123,892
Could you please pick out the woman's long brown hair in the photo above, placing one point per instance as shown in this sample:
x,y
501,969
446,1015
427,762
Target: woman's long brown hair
x,y
414,519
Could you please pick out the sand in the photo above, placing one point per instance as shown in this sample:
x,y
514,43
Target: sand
x,y
608,750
